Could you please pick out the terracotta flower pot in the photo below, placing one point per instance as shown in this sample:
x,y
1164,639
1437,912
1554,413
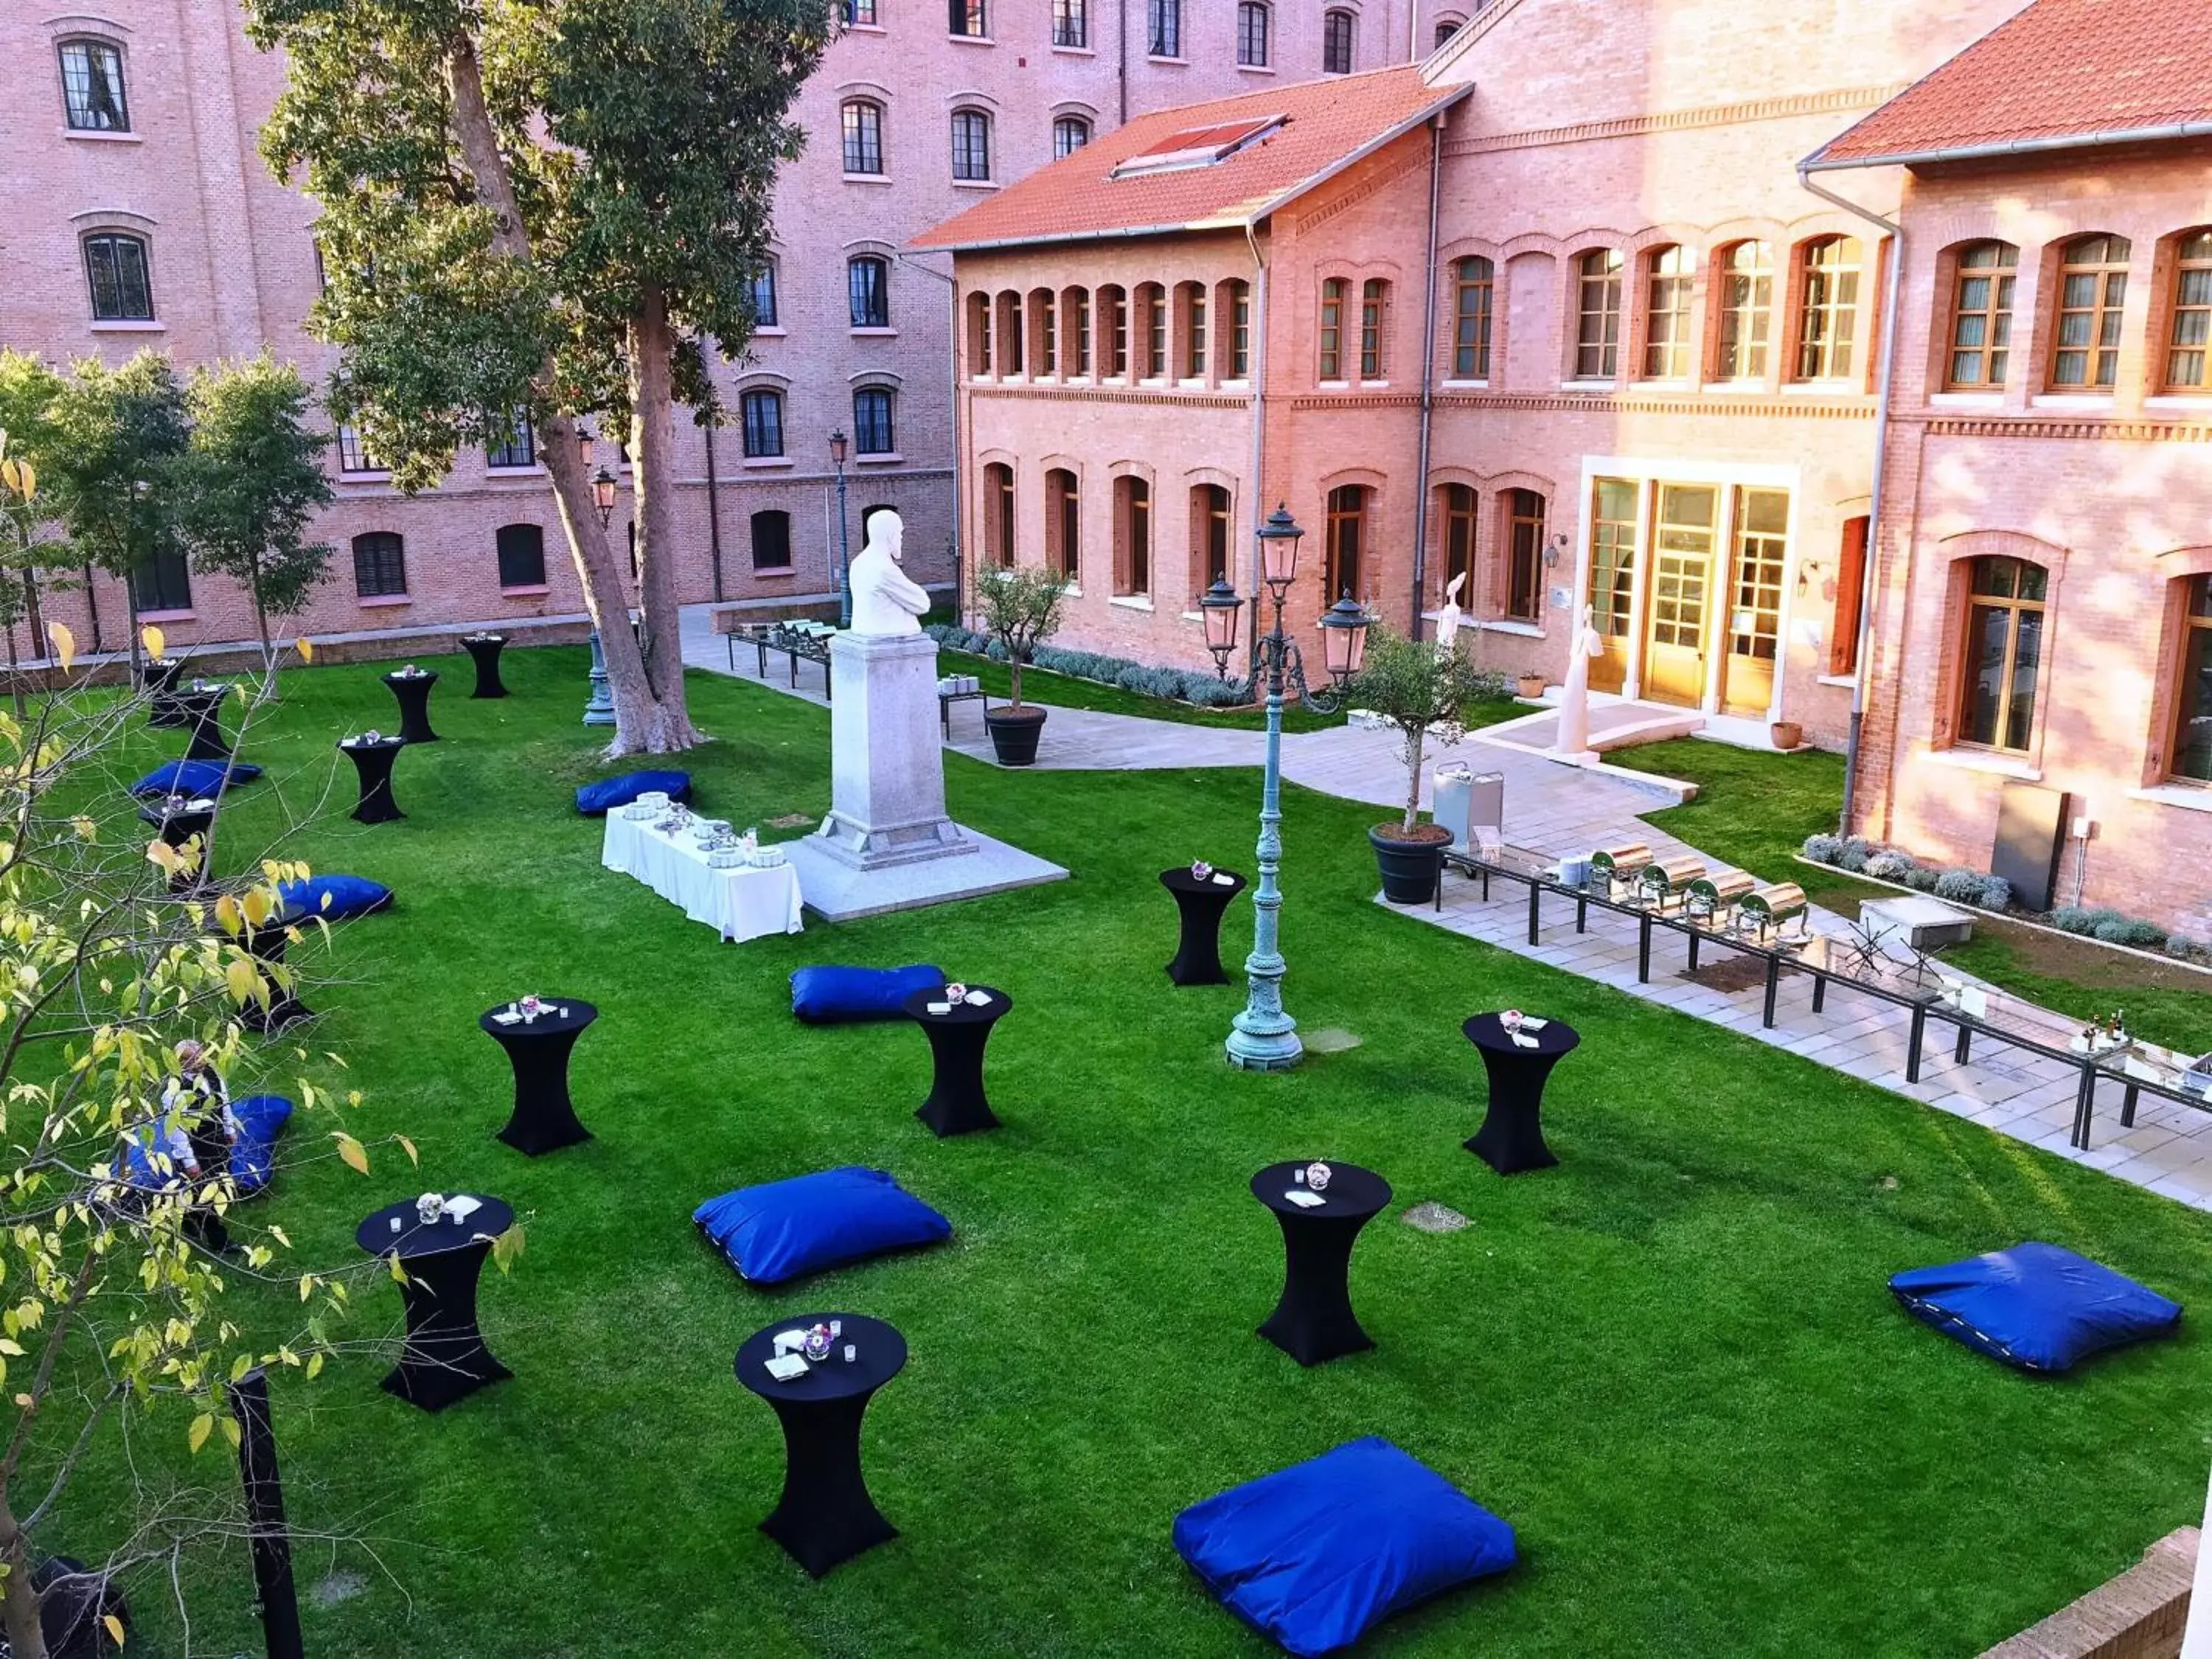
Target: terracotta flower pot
x,y
1531,685
1786,734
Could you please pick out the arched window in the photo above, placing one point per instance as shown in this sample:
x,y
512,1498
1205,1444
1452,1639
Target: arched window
x,y
868,290
1828,308
771,539
861,120
971,18
1456,510
1666,282
1163,28
1374,304
762,412
1344,542
1447,27
1597,305
1069,134
521,549
2093,286
765,312
1075,330
379,565
115,266
1044,332
999,514
1235,329
1329,364
1133,537
1253,19
979,334
2189,326
1209,537
1336,42
1981,316
1063,522
1071,23
1008,346
1190,319
92,85
2192,733
2003,652
1152,322
1474,284
1746,301
972,145
872,421
1523,550
1114,329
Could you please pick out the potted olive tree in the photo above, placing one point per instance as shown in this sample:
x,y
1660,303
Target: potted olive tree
x,y
1020,607
1419,688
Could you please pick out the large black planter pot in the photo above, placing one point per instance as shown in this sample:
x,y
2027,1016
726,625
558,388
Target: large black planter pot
x,y
1410,869
1014,734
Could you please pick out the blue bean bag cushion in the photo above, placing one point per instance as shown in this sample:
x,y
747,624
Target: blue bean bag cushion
x,y
786,1229
831,995
195,778
2036,1306
334,898
595,801
1318,1554
261,1119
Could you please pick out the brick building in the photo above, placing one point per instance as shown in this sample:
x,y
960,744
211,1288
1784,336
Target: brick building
x,y
137,212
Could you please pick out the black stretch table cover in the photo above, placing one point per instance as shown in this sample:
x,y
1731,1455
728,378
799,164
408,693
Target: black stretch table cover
x,y
825,1515
445,1358
483,650
158,680
175,829
1200,904
957,1105
373,761
202,712
544,1119
1314,1323
267,945
412,693
1511,1139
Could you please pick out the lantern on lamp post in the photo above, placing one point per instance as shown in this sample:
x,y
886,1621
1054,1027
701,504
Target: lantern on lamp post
x,y
603,495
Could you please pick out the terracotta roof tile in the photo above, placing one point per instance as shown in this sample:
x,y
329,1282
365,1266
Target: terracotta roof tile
x,y
1323,125
2060,72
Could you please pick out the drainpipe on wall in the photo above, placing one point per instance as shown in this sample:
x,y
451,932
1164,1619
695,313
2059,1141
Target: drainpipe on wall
x,y
1121,53
1428,381
1258,492
713,515
1860,663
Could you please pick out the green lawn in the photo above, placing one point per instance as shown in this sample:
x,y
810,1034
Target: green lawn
x,y
1671,1363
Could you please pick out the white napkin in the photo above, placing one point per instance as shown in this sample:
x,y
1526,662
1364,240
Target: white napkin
x,y
1528,1023
785,1368
938,1007
505,1018
979,999
1520,1042
1223,878
1305,1198
462,1206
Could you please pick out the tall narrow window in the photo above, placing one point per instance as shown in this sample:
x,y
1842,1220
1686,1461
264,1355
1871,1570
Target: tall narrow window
x,y
1114,329
1209,514
969,18
1828,308
1373,299
1069,134
1524,553
862,125
765,313
1474,284
1981,316
163,582
999,514
1044,330
1154,298
1253,18
1194,330
1458,515
862,12
1011,358
2189,334
520,548
979,334
771,539
2093,286
1597,305
379,565
92,86
1071,23
2192,733
1331,365
1133,537
1063,523
2005,651
871,422
1237,364
1344,542
1746,301
1163,28
515,442
1851,590
1667,287
972,145
1613,562
1075,321
868,291
115,267
762,413
1336,42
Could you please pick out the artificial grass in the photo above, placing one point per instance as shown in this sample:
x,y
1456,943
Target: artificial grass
x,y
1671,1362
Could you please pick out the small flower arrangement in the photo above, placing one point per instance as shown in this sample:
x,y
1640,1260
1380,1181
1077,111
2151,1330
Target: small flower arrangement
x,y
429,1207
1317,1175
955,993
410,673
817,1345
1200,870
1511,1020
532,1007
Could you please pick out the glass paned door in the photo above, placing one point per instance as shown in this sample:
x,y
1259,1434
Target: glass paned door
x,y
1613,579
1675,624
1755,623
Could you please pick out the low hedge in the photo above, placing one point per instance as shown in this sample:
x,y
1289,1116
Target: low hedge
x,y
1195,686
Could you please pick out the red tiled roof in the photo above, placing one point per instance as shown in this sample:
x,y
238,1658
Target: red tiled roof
x,y
1323,125
2062,73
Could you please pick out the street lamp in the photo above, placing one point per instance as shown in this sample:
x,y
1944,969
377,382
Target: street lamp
x,y
1265,1038
603,495
837,443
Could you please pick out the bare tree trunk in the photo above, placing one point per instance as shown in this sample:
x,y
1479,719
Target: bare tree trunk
x,y
651,438
18,1602
1416,740
261,627
639,722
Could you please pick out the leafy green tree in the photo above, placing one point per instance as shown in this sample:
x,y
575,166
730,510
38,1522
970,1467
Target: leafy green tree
x,y
1422,689
1021,607
30,541
550,209
250,484
112,452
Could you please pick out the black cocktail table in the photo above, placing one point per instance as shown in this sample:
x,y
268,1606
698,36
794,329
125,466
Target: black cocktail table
x,y
1201,904
483,650
412,693
956,1105
825,1515
201,708
1511,1139
177,827
445,1358
544,1118
158,679
267,945
1314,1322
373,761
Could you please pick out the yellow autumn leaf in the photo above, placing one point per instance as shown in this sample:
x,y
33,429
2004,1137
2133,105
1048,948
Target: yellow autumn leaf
x,y
114,1628
227,914
64,643
280,1235
314,1367
307,649
203,1426
241,979
156,642
257,905
232,1432
85,828
350,1150
407,1147
398,1272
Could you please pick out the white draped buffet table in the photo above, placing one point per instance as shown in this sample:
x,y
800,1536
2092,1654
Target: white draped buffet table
x,y
741,904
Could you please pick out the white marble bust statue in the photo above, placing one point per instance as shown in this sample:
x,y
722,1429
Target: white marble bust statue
x,y
885,599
